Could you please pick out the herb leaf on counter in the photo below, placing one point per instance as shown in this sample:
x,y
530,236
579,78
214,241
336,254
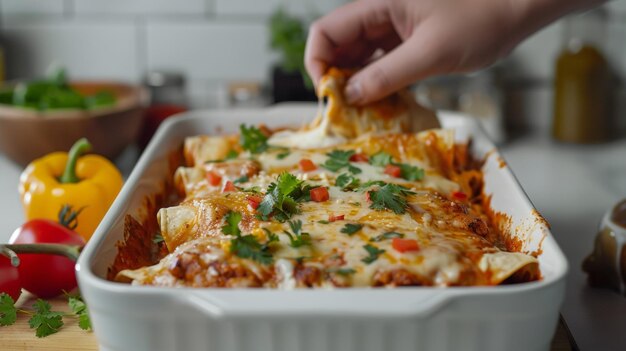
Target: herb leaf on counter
x,y
79,308
8,312
44,321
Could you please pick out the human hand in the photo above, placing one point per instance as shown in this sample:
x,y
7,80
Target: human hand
x,y
421,38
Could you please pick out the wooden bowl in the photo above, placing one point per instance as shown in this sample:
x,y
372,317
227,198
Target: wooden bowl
x,y
27,134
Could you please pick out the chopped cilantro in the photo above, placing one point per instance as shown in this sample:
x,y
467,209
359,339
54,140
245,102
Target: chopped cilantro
x,y
338,159
283,155
386,236
351,228
158,238
79,308
323,221
347,182
232,223
371,183
282,198
341,271
373,253
410,173
253,189
252,139
44,321
271,237
380,159
248,246
243,179
232,154
297,237
8,312
389,197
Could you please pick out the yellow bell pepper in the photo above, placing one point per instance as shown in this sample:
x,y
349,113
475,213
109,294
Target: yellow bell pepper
x,y
88,184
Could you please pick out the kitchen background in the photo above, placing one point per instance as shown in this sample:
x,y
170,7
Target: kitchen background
x,y
220,43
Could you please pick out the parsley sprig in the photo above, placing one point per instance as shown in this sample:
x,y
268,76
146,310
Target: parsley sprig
x,y
338,159
8,312
43,319
373,253
390,197
408,172
282,198
297,237
78,307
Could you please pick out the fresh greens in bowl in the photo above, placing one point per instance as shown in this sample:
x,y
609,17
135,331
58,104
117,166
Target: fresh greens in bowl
x,y
52,93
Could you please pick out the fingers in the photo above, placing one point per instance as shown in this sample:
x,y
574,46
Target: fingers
x,y
360,20
414,59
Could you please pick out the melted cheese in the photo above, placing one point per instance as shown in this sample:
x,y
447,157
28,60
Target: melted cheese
x,y
453,248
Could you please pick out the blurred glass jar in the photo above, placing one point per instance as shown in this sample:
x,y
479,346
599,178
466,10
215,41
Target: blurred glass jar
x,y
167,98
583,82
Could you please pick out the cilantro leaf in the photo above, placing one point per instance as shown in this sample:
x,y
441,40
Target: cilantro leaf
x,y
371,183
232,154
351,228
232,223
244,178
252,139
389,197
249,247
271,237
44,321
386,236
380,159
342,271
158,238
79,308
347,182
410,173
298,238
338,159
8,312
323,221
283,155
373,253
282,197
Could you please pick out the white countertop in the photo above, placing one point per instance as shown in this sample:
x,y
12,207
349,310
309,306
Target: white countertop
x,y
572,186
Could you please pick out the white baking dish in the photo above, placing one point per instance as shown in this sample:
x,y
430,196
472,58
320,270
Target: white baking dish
x,y
125,317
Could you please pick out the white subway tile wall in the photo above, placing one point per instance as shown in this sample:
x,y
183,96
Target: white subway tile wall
x,y
89,49
210,50
213,42
256,7
140,7
32,6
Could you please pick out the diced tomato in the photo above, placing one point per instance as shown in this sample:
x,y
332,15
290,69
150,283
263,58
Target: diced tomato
x,y
254,201
393,170
333,218
307,165
214,178
404,245
360,157
229,186
319,194
459,195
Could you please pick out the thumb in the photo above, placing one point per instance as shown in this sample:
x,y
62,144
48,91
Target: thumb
x,y
414,59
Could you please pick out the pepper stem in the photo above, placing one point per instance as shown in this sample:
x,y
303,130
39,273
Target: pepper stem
x,y
81,146
10,250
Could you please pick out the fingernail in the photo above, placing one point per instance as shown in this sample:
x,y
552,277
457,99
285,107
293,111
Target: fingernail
x,y
353,92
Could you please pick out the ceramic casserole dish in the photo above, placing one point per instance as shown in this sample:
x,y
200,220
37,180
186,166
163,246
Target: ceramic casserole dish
x,y
506,317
